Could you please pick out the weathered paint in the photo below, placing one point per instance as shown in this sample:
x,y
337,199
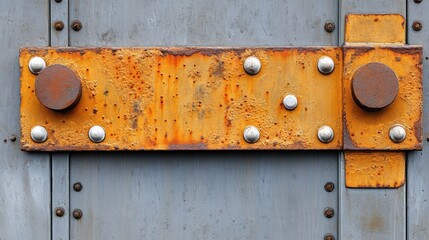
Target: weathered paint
x,y
370,130
187,98
370,169
375,28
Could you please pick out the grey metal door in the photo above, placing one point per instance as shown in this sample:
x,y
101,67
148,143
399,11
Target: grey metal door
x,y
190,194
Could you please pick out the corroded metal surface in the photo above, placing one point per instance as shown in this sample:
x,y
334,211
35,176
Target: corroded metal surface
x,y
374,169
374,86
370,130
187,98
58,88
375,28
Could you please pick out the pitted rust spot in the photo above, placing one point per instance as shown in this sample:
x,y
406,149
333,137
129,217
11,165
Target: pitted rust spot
x,y
189,146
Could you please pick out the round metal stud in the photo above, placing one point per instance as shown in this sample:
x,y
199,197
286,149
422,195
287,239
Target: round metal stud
x,y
77,186
36,65
77,213
252,65
58,88
397,133
251,134
59,211
290,102
96,134
374,86
325,134
329,212
325,65
39,134
329,236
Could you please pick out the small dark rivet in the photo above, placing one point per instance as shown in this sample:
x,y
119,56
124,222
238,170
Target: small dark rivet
x,y
417,1
427,139
417,25
329,236
76,25
77,213
58,1
12,138
329,26
329,212
77,186
329,186
59,25
59,211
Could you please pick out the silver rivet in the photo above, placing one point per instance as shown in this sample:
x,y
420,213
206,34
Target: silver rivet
x,y
39,134
252,65
397,133
251,134
36,65
96,134
325,65
325,134
290,102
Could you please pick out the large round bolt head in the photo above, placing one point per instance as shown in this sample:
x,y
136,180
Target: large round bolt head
x,y
252,65
39,134
325,134
290,102
325,65
96,134
374,86
36,65
397,133
251,134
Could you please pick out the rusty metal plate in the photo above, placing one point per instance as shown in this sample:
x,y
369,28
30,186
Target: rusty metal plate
x,y
186,98
369,130
374,169
375,28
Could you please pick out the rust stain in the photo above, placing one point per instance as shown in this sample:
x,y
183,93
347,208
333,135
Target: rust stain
x,y
374,169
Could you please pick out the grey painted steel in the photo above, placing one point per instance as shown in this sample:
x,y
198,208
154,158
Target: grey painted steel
x,y
203,195
59,12
370,7
60,195
25,178
418,162
365,213
371,213
206,23
60,161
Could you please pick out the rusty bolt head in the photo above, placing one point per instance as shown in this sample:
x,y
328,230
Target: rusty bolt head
x,y
77,213
77,186
417,25
329,26
329,236
76,25
58,1
328,212
59,25
12,138
59,211
58,88
417,1
374,86
329,186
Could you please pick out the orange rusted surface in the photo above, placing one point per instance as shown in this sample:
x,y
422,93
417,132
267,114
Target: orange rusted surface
x,y
374,169
187,98
370,130
375,28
